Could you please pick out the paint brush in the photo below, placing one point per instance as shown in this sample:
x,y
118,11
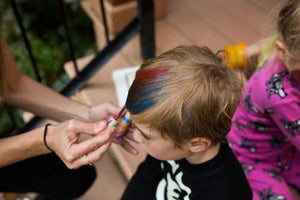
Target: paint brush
x,y
120,113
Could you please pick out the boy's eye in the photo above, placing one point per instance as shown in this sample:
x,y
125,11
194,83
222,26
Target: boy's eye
x,y
141,132
145,136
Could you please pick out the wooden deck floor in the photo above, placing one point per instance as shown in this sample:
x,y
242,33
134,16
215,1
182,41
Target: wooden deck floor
x,y
213,23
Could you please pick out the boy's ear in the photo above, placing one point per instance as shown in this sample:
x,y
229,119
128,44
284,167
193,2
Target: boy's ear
x,y
199,144
280,49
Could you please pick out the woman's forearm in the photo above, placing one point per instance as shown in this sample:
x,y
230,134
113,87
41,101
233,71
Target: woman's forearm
x,y
21,147
63,139
35,97
43,101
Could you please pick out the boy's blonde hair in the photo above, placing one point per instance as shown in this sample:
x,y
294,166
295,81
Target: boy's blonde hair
x,y
288,24
186,93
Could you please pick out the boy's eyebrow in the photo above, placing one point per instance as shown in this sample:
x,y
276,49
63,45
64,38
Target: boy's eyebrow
x,y
146,136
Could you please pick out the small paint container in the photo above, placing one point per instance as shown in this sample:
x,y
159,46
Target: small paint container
x,y
122,126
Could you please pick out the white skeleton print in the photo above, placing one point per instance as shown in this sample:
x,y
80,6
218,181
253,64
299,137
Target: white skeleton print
x,y
171,186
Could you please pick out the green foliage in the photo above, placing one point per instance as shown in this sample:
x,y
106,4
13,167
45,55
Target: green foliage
x,y
44,25
6,123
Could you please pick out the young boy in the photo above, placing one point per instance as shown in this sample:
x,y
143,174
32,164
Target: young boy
x,y
181,105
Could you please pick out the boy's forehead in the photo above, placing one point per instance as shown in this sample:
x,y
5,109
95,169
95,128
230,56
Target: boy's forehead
x,y
140,126
145,128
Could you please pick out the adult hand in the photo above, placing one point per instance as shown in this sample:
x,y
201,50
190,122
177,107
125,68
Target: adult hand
x,y
63,139
103,112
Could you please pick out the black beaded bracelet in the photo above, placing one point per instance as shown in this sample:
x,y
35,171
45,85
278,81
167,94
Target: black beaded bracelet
x,y
45,135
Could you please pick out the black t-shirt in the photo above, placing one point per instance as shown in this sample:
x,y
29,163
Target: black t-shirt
x,y
220,178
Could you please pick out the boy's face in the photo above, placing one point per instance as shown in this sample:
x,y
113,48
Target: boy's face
x,y
157,146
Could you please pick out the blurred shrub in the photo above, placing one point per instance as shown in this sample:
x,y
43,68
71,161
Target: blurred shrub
x,y
45,30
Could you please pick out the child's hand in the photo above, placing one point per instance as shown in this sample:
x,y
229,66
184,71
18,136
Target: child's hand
x,y
256,48
124,141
